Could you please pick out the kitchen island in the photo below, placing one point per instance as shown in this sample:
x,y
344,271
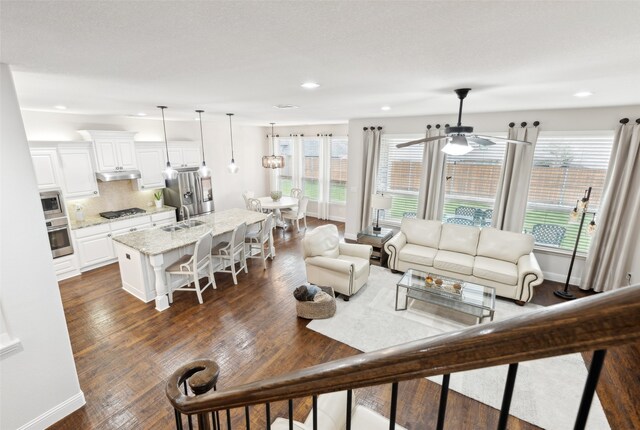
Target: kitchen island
x,y
144,255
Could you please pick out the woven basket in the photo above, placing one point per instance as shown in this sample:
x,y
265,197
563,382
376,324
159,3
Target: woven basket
x,y
313,310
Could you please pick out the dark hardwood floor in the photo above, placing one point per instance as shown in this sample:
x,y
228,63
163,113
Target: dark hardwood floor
x,y
125,350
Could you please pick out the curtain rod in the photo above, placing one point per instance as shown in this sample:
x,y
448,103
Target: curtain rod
x,y
626,120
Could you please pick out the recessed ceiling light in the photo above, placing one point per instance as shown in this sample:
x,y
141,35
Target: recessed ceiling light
x,y
310,85
286,106
60,107
141,114
583,94
386,108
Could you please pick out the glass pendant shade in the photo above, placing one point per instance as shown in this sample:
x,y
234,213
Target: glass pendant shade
x,y
169,172
203,171
232,167
457,145
573,215
591,230
273,161
583,204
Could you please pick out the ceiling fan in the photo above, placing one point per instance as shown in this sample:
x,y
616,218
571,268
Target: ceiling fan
x,y
459,137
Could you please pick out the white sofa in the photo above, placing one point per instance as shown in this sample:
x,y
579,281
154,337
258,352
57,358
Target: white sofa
x,y
332,415
486,256
331,263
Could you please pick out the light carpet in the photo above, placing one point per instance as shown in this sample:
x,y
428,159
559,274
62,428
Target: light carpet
x,y
547,392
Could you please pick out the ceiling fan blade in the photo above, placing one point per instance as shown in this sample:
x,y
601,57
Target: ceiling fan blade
x,y
423,140
480,140
504,139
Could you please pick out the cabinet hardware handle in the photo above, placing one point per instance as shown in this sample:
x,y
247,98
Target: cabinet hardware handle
x,y
109,235
95,192
142,186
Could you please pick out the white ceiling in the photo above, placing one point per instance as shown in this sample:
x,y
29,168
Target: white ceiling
x,y
124,57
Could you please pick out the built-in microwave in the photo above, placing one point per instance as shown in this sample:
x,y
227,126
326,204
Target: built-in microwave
x,y
52,204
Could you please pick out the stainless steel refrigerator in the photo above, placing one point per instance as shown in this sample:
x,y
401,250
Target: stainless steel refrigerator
x,y
189,190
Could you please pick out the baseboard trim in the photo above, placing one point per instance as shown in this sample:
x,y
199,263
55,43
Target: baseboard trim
x,y
351,236
561,277
56,413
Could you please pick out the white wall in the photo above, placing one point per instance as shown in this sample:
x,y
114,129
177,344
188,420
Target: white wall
x,y
248,141
39,381
555,266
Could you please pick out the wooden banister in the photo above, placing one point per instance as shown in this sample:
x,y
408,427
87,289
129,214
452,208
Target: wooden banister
x,y
596,322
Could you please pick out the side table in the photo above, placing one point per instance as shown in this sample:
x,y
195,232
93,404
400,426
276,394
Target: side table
x,y
377,240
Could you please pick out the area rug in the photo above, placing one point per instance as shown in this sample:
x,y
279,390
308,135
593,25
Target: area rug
x,y
547,392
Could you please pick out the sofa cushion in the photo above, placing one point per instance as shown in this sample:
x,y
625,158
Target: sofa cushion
x,y
332,411
360,264
322,241
422,232
418,254
454,262
504,245
496,270
459,238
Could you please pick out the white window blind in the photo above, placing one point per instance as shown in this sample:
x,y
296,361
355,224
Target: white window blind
x,y
311,148
399,171
338,166
565,165
472,182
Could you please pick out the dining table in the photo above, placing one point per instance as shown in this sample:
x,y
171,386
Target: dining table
x,y
284,202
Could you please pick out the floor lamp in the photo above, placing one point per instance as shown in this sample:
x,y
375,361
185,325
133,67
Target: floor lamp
x,y
581,211
379,202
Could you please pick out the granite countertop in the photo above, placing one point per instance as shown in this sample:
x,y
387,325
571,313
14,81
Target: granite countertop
x,y
92,220
157,241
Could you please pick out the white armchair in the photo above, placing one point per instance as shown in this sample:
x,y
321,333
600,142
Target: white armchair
x,y
331,263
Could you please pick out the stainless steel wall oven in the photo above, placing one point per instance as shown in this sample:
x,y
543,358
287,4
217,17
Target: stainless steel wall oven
x,y
57,223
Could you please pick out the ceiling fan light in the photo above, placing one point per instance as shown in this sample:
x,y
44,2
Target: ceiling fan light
x,y
457,145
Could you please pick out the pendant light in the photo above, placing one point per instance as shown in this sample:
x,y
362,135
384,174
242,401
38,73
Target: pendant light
x,y
273,161
233,167
203,171
169,172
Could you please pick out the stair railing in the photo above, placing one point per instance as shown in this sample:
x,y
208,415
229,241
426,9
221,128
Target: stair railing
x,y
590,324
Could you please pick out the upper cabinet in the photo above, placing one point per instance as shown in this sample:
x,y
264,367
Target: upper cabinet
x,y
115,150
45,164
184,154
77,171
152,160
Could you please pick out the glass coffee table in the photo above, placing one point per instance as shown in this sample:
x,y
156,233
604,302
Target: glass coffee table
x,y
462,296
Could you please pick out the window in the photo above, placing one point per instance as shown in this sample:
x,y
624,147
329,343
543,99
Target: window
x,y
564,166
399,171
338,170
285,175
472,182
311,148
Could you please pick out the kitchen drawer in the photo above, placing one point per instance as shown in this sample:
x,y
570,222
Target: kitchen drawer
x,y
90,231
116,226
66,267
163,216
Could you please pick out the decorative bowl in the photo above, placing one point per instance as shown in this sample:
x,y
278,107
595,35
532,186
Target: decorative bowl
x,y
275,195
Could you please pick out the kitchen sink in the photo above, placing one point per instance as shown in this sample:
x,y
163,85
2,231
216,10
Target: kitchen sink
x,y
191,223
174,227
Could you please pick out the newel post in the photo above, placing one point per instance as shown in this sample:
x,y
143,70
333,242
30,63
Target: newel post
x,y
200,376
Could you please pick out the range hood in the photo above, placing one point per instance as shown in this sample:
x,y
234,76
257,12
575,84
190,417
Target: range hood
x,y
118,175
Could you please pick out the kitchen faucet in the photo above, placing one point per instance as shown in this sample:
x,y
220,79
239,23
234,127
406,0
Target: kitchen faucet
x,y
182,208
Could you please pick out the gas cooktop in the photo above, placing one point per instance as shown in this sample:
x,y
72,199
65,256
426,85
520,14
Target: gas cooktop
x,y
121,213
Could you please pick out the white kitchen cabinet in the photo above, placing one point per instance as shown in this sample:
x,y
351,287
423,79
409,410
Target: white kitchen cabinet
x,y
128,225
66,266
184,154
77,172
94,246
45,164
115,150
152,160
163,218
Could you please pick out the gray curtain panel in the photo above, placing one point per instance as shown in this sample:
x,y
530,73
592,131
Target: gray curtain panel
x,y
513,186
612,247
432,181
371,151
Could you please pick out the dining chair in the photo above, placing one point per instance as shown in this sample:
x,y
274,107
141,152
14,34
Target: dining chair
x,y
254,205
296,193
191,266
301,213
229,253
246,196
259,239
